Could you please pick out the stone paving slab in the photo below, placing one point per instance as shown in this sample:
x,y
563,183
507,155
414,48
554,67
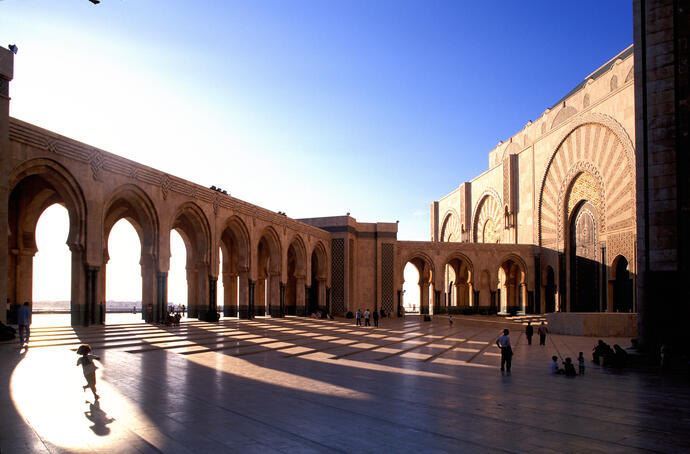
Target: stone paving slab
x,y
305,385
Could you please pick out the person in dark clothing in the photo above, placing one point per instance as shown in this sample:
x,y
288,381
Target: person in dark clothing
x,y
569,368
543,331
375,315
503,343
602,351
529,332
24,322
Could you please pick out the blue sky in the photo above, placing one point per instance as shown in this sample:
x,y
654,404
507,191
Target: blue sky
x,y
315,108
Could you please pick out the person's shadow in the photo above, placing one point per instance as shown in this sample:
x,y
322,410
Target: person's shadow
x,y
99,418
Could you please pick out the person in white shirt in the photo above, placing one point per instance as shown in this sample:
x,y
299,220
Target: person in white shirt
x,y
503,343
553,366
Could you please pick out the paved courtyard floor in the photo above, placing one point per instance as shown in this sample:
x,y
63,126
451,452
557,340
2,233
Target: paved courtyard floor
x,y
297,385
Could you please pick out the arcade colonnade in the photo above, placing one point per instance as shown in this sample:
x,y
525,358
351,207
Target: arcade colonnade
x,y
271,265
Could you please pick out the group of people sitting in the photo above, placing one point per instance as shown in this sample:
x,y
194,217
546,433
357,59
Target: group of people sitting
x,y
173,320
603,354
568,368
321,314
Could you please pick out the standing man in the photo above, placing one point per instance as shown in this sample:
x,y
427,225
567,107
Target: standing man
x,y
358,318
529,332
503,343
24,321
366,317
376,318
542,330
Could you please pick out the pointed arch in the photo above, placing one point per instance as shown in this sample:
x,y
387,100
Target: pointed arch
x,y
132,203
488,219
190,221
599,146
34,186
450,230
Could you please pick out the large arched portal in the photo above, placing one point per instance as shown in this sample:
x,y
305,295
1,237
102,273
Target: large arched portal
x,y
35,186
584,258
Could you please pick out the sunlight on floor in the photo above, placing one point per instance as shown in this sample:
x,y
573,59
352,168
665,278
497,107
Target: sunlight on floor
x,y
64,415
248,370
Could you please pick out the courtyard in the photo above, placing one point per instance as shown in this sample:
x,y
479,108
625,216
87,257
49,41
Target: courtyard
x,y
306,385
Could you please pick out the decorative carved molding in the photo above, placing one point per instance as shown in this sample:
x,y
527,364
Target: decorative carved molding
x,y
96,162
165,185
102,161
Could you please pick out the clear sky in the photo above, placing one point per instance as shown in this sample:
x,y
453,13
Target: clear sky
x,y
315,108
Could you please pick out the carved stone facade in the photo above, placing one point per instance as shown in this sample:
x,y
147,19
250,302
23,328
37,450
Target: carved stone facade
x,y
567,185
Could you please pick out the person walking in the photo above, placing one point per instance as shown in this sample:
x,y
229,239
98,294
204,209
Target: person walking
x,y
24,322
543,331
503,343
529,332
367,314
358,318
375,315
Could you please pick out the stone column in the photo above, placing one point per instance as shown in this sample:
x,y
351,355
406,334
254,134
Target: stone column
x,y
243,295
162,294
282,300
437,301
274,294
259,303
24,273
300,299
191,292
212,298
6,74
251,294
148,288
230,294
423,297
78,285
321,304
90,314
307,300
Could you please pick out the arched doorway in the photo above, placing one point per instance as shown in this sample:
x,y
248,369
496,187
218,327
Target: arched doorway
x,y
131,204
424,287
512,288
267,287
191,224
123,285
457,286
51,274
583,254
33,187
622,286
234,244
296,279
317,291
